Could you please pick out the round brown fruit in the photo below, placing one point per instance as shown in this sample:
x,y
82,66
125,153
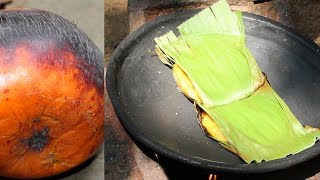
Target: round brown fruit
x,y
51,95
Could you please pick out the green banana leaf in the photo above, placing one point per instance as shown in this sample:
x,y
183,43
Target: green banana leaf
x,y
211,50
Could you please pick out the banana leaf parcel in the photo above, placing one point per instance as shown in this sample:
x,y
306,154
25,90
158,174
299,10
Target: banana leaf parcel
x,y
235,103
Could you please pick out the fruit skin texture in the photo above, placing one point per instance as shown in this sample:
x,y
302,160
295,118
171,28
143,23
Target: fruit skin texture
x,y
51,95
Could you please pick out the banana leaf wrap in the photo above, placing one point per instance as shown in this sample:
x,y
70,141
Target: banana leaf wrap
x,y
227,84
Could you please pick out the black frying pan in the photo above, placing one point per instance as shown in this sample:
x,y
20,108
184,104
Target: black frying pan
x,y
152,110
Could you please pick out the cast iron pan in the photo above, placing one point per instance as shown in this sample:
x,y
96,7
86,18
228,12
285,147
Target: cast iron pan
x,y
153,111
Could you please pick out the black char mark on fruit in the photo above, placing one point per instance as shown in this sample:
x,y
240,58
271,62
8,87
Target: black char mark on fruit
x,y
38,140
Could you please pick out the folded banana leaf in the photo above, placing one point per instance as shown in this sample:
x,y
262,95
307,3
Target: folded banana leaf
x,y
236,104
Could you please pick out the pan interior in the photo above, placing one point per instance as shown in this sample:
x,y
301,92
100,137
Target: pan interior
x,y
156,110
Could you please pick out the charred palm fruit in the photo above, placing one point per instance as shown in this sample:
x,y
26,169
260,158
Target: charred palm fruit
x,y
51,95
